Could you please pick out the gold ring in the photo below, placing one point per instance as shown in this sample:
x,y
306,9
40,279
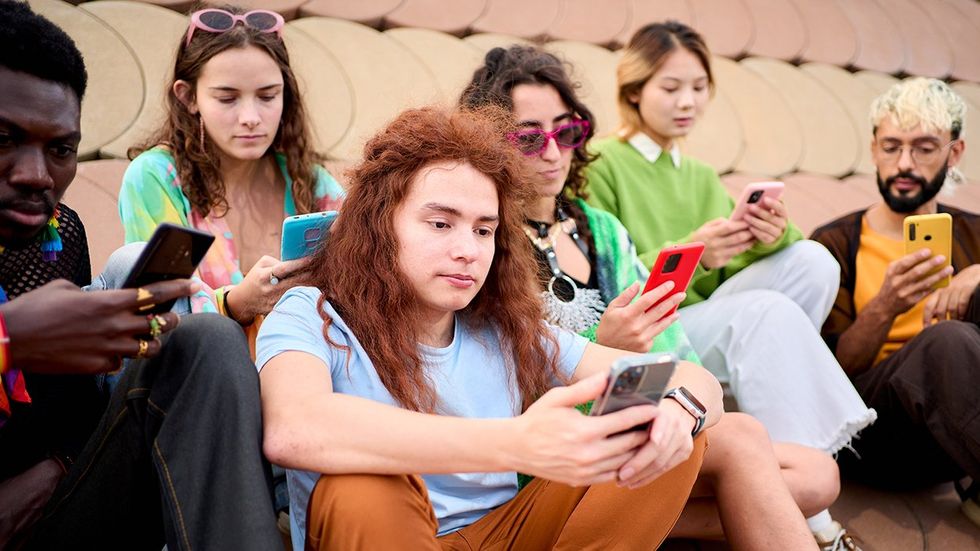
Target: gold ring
x,y
141,295
144,346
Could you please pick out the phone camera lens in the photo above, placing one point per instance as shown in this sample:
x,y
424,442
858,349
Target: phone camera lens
x,y
754,198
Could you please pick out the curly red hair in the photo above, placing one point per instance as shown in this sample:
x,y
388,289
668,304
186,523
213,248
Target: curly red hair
x,y
354,268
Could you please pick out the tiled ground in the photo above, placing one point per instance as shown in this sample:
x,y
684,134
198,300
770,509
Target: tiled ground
x,y
927,520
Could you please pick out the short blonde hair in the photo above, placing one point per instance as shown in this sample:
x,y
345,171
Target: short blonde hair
x,y
642,58
924,102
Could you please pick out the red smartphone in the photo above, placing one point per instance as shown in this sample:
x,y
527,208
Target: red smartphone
x,y
676,263
754,193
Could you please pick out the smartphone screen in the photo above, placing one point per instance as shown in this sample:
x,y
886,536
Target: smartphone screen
x,y
676,263
634,381
173,252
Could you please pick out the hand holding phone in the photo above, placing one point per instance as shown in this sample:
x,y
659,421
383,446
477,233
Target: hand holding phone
x,y
636,380
933,232
677,264
753,194
173,252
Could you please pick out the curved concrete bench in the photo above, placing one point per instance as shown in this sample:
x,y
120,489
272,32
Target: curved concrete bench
x,y
366,12
880,44
927,52
856,97
589,21
963,34
595,69
726,26
155,47
326,89
779,29
643,12
535,17
385,77
831,38
115,83
970,163
830,139
718,139
449,16
488,41
773,136
450,59
94,194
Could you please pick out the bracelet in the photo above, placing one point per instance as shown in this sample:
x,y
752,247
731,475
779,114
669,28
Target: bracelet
x,y
4,345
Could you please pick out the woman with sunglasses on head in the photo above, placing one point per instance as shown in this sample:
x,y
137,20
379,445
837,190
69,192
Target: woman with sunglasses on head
x,y
405,387
233,158
760,295
590,277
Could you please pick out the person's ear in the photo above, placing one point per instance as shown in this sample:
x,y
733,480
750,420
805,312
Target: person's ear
x,y
956,152
185,95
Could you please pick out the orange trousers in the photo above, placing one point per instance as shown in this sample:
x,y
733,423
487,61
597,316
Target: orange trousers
x,y
381,512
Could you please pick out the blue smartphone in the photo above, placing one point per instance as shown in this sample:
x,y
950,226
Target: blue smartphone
x,y
304,233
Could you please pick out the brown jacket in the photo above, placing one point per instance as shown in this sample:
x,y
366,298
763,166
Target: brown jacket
x,y
842,237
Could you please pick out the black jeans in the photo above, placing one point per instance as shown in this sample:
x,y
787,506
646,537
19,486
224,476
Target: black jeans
x,y
177,457
926,396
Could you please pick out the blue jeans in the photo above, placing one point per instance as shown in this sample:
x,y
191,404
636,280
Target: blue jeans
x,y
177,457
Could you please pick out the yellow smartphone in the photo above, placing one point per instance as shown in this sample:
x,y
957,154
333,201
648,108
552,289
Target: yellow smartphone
x,y
933,232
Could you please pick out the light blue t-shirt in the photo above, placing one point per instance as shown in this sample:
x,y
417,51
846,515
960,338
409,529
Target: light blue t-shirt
x,y
470,379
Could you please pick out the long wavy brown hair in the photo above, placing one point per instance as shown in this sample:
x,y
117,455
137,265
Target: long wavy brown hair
x,y
199,168
355,268
504,69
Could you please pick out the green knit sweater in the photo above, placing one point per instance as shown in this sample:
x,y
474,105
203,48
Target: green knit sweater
x,y
662,205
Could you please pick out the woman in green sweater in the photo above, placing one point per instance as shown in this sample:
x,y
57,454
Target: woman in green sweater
x,y
761,293
590,278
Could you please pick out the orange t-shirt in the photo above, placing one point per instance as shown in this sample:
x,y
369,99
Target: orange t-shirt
x,y
874,255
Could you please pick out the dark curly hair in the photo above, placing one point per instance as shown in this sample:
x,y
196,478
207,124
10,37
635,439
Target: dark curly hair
x,y
30,43
504,69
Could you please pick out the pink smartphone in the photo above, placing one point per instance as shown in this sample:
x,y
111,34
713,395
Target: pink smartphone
x,y
754,193
676,263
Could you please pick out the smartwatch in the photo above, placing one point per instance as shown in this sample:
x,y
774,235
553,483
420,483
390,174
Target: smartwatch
x,y
687,401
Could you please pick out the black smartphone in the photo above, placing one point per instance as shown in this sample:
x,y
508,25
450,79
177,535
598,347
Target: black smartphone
x,y
634,381
173,252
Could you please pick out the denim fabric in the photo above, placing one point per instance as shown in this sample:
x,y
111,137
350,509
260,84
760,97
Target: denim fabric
x,y
116,270
177,457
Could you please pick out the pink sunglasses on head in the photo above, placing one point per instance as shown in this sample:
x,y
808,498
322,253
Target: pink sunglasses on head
x,y
214,20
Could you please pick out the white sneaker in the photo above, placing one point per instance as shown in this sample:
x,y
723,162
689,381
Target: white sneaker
x,y
836,538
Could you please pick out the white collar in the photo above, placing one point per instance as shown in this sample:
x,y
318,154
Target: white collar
x,y
651,150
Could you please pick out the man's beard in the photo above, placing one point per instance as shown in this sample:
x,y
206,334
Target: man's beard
x,y
905,204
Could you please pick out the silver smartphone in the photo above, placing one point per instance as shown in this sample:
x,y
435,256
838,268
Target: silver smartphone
x,y
635,381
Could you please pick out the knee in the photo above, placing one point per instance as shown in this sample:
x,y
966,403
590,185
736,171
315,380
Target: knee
x,y
120,263
736,437
365,500
773,307
817,261
819,480
215,349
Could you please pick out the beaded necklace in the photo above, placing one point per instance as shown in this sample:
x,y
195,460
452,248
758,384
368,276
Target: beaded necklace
x,y
584,309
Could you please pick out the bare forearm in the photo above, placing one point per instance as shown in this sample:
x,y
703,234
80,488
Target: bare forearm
x,y
345,434
859,344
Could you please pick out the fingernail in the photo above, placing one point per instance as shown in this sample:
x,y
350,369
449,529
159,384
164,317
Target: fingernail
x,y
626,473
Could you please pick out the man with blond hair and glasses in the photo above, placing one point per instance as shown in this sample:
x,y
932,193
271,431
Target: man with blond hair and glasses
x,y
912,352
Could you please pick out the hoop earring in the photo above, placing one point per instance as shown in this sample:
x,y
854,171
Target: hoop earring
x,y
200,125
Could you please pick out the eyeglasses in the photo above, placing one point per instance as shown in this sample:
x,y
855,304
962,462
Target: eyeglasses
x,y
214,20
922,153
533,141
